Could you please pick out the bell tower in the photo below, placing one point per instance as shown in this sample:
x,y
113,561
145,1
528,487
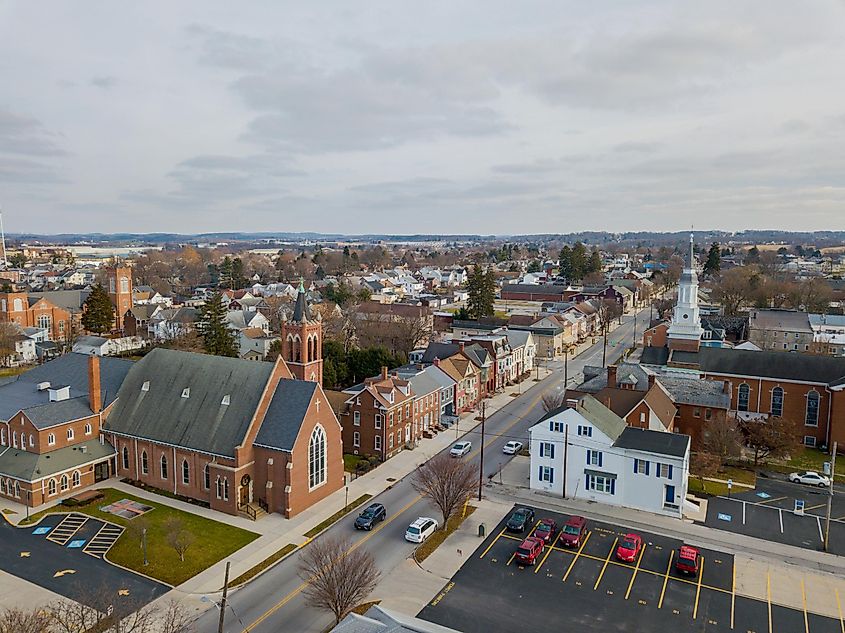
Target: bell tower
x,y
685,329
120,291
302,341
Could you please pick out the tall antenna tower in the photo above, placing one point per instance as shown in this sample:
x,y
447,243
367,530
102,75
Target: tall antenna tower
x,y
3,240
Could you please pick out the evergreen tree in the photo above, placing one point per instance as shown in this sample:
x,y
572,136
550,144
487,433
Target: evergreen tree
x,y
566,263
99,313
594,265
226,272
217,338
713,264
753,255
238,275
579,260
481,288
534,266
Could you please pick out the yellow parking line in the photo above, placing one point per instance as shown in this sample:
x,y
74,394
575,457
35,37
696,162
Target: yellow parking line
x,y
551,547
733,593
575,558
666,579
804,601
698,589
492,543
816,507
606,561
510,560
769,598
772,500
839,606
636,569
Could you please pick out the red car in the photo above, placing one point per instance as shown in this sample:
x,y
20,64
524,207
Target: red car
x,y
573,532
546,530
688,560
529,550
628,550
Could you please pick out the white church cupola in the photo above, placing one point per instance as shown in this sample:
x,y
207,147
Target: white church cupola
x,y
685,330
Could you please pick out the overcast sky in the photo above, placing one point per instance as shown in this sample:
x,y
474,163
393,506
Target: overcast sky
x,y
406,117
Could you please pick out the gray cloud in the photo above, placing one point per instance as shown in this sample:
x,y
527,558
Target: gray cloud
x,y
26,135
105,82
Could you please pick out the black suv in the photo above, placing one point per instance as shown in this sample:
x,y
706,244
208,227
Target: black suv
x,y
370,516
520,519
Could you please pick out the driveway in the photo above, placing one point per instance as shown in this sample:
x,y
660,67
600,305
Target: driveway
x,y
52,554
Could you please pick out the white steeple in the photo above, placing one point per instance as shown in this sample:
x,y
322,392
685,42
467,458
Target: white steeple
x,y
685,330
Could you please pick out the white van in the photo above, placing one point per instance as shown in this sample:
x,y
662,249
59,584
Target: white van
x,y
420,530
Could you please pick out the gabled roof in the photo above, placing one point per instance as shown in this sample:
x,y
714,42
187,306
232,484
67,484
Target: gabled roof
x,y
596,413
659,442
30,466
200,421
766,364
285,414
71,300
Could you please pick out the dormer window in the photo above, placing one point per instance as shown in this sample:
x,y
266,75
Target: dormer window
x,y
145,386
186,392
226,400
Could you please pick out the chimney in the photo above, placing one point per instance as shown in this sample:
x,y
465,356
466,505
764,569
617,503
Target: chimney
x,y
384,373
611,375
461,345
651,379
726,387
436,362
95,398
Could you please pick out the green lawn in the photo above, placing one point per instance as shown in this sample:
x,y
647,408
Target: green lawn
x,y
737,474
213,540
710,487
808,459
12,371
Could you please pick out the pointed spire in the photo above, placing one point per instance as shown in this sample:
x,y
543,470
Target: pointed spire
x,y
301,313
691,263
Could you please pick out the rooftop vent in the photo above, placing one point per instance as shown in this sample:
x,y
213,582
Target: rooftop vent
x,y
226,400
58,394
186,392
145,386
43,386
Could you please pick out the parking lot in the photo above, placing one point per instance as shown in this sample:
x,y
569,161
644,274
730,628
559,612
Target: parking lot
x,y
768,512
594,592
64,553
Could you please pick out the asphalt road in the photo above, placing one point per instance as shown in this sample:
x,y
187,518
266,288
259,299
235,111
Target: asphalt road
x,y
274,603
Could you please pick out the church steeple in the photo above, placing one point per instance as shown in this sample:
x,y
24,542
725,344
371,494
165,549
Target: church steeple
x,y
685,330
302,340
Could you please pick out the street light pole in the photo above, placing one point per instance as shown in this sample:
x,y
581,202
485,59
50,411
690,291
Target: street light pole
x,y
223,600
481,465
565,368
830,497
144,544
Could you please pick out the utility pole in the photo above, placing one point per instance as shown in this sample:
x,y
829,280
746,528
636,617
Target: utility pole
x,y
635,329
3,241
830,496
223,601
144,544
481,465
565,367
565,454
604,348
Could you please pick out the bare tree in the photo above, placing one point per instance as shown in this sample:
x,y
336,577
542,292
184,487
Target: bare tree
x,y
21,621
338,577
446,482
553,400
136,528
722,439
8,334
179,538
772,438
734,288
68,616
704,465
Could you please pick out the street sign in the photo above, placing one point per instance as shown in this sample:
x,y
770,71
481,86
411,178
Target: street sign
x,y
725,517
799,507
730,483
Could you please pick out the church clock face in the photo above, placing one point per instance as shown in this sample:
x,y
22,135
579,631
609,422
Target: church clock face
x,y
686,316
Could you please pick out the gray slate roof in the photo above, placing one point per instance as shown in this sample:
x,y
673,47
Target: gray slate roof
x,y
423,383
92,341
287,409
21,392
379,620
660,442
694,391
594,411
28,466
597,377
71,300
199,422
767,364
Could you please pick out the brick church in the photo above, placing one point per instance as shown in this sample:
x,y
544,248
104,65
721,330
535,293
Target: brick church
x,y
762,384
242,436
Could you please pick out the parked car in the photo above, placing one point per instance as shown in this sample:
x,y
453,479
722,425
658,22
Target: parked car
x,y
573,532
512,447
688,560
810,478
420,529
628,550
371,515
546,530
520,520
529,550
460,449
